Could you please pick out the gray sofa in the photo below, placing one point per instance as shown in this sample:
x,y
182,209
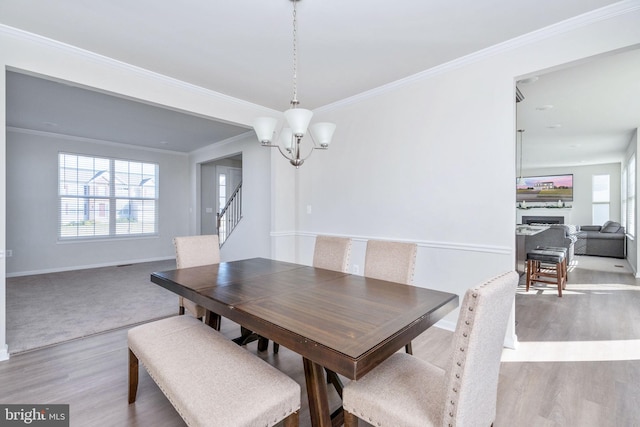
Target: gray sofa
x,y
607,240
558,235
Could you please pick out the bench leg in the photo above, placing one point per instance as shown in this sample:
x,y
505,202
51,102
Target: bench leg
x,y
133,376
350,420
292,420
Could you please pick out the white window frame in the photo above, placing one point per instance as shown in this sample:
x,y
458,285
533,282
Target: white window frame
x,y
630,223
105,198
623,195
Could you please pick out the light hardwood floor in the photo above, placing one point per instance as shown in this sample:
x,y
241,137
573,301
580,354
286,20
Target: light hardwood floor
x,y
91,374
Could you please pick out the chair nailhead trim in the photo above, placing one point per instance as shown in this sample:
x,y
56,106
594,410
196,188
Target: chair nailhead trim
x,y
463,340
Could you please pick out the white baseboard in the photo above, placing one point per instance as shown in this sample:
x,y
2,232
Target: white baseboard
x,y
84,267
447,325
4,353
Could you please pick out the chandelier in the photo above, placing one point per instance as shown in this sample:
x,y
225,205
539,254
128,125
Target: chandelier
x,y
289,141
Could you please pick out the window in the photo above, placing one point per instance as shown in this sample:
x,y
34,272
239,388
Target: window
x,y
600,198
222,191
631,196
623,193
102,197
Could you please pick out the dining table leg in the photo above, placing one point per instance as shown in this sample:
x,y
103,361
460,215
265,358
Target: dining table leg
x,y
317,394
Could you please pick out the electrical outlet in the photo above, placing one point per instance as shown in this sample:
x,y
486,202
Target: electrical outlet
x,y
9,253
356,269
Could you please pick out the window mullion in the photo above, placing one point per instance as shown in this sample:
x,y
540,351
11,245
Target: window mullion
x,y
112,198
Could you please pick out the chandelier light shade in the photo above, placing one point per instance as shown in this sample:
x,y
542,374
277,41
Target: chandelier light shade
x,y
290,139
286,139
298,120
265,127
322,133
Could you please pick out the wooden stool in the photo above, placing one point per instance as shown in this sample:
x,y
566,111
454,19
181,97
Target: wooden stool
x,y
555,268
565,251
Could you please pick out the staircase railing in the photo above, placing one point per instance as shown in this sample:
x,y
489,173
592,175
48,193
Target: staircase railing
x,y
230,215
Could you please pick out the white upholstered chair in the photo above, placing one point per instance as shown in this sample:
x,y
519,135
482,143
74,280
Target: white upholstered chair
x,y
391,261
194,251
404,390
330,253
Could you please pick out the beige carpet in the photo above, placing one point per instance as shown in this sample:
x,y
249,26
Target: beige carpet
x,y
47,309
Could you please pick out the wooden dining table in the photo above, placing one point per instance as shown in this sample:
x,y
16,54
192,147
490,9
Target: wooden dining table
x,y
338,322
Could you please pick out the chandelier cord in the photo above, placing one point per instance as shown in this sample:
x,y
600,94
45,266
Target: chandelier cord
x,y
294,101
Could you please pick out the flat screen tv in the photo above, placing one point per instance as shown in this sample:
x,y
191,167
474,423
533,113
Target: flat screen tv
x,y
548,188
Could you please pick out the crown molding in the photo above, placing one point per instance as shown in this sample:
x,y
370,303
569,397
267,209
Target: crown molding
x,y
602,14
16,33
222,143
93,141
571,24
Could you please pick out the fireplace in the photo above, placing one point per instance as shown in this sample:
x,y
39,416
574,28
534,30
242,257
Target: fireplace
x,y
542,219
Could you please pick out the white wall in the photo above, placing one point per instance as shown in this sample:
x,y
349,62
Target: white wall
x,y
32,206
4,350
432,159
29,53
419,160
251,237
581,212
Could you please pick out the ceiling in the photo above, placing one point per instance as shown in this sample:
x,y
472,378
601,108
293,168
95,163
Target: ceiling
x,y
48,106
583,114
243,49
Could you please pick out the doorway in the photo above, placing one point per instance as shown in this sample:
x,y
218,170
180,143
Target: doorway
x,y
219,179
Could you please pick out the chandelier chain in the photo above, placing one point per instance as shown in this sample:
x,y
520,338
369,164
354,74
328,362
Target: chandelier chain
x,y
290,139
294,101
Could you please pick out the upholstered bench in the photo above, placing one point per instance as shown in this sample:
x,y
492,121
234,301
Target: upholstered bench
x,y
210,380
